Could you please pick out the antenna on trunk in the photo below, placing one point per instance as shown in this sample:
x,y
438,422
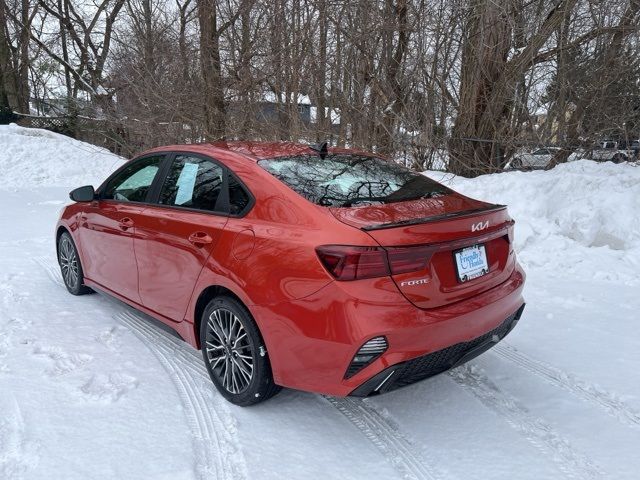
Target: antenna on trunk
x,y
320,148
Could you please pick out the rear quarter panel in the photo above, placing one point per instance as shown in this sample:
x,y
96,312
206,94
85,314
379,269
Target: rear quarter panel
x,y
268,256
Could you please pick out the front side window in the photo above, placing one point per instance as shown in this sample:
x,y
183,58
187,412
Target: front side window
x,y
134,181
343,180
193,182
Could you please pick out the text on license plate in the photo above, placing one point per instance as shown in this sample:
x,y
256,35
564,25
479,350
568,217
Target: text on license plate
x,y
471,262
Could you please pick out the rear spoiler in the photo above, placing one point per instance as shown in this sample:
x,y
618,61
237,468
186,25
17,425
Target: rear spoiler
x,y
436,218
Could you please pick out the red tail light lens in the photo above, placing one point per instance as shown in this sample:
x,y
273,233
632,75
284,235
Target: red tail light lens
x,y
353,263
409,259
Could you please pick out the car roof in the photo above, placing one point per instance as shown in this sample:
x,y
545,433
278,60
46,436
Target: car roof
x,y
250,150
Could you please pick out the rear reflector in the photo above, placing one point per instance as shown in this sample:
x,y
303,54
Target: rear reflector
x,y
346,262
371,350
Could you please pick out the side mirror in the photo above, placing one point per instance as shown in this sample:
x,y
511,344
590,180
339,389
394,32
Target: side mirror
x,y
83,194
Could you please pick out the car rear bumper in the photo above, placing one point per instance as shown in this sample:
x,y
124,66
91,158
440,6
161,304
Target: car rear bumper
x,y
433,363
312,341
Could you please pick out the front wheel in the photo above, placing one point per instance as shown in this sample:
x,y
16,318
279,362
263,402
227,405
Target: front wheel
x,y
70,266
234,353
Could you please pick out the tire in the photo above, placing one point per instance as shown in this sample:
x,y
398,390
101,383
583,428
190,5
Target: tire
x,y
234,353
619,158
70,266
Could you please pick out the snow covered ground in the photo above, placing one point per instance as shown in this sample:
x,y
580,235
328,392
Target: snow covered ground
x,y
91,389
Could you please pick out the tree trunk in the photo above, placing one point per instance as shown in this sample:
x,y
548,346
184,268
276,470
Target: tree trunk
x,y
9,91
245,84
211,69
488,84
23,65
396,95
484,56
321,78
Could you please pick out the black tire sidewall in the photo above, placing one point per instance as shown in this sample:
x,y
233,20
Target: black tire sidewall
x,y
262,380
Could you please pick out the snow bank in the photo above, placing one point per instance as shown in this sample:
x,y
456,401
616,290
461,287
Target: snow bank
x,y
570,217
31,157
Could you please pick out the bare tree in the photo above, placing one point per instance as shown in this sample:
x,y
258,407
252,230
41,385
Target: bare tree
x,y
15,21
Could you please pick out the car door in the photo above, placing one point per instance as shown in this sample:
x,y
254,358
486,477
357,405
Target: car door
x,y
108,227
176,235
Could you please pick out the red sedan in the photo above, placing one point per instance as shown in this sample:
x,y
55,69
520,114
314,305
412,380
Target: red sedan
x,y
330,271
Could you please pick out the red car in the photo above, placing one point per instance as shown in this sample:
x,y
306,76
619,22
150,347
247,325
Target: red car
x,y
330,271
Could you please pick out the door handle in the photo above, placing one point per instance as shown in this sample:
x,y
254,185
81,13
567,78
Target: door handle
x,y
200,238
125,223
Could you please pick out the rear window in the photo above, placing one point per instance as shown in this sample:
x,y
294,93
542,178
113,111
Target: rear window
x,y
341,180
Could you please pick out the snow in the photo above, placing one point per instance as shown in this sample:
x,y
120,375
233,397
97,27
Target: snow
x,y
333,113
33,157
92,389
579,218
300,99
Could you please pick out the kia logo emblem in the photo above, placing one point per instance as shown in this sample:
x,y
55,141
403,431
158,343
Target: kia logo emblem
x,y
476,227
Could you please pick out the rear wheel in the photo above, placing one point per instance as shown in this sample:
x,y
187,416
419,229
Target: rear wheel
x,y
619,158
516,163
234,353
70,266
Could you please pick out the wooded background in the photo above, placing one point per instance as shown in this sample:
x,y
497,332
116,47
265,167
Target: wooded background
x,y
471,81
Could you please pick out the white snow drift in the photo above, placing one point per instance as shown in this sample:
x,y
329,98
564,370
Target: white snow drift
x,y
32,157
570,215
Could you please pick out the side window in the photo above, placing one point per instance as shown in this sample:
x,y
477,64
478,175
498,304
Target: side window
x,y
134,181
192,182
238,197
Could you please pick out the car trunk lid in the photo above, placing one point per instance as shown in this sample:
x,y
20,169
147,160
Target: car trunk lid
x,y
425,235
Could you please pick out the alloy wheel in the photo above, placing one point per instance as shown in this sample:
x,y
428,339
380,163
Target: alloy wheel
x,y
229,351
68,262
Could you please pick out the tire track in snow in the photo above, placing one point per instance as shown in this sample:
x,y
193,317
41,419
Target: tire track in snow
x,y
397,449
584,390
217,448
218,451
540,434
186,369
51,268
18,455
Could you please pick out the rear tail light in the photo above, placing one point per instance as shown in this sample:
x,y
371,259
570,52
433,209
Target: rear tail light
x,y
354,263
409,259
368,352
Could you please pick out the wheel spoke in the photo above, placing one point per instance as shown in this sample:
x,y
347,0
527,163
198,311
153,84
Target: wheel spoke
x,y
225,373
235,342
215,361
214,330
234,376
242,368
246,359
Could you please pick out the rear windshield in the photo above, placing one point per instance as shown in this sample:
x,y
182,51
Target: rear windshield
x,y
341,180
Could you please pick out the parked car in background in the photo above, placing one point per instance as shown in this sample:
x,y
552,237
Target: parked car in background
x,y
326,270
539,158
616,151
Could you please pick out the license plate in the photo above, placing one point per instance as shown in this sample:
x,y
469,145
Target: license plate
x,y
471,262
